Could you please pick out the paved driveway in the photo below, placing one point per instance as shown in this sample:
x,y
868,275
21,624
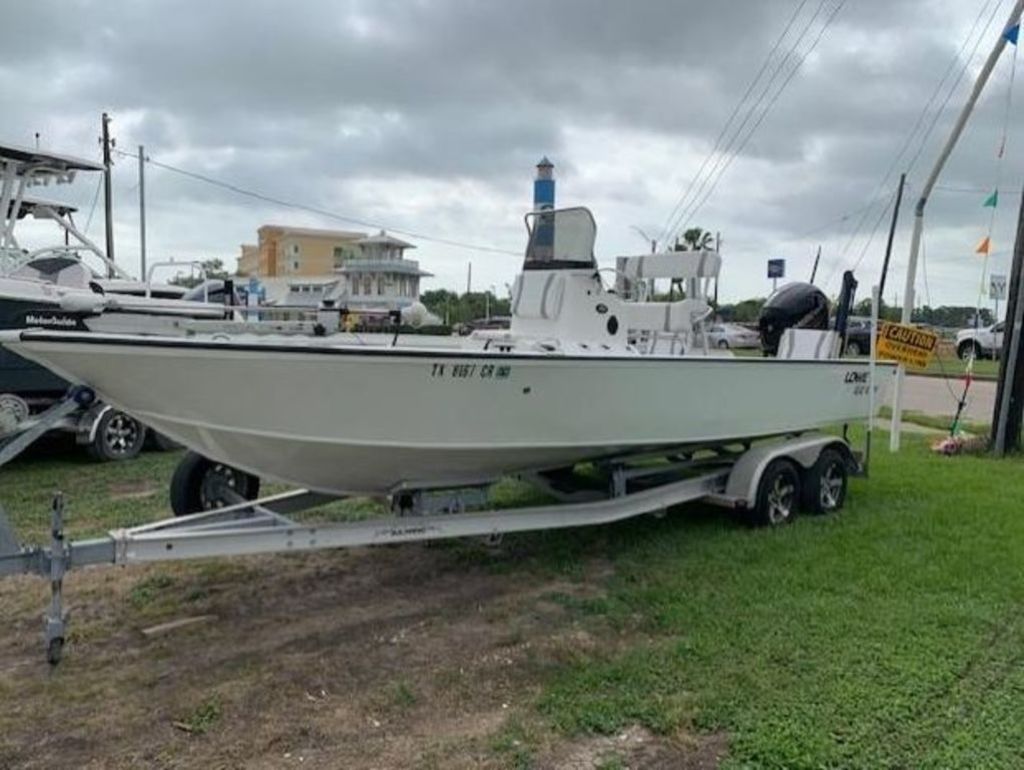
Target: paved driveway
x,y
933,395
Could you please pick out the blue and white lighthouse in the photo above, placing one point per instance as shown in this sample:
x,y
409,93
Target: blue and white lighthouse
x,y
544,200
544,185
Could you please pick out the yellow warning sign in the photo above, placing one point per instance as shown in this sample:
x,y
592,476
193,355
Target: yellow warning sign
x,y
907,344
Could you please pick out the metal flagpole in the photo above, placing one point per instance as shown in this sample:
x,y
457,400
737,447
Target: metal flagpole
x,y
915,240
108,193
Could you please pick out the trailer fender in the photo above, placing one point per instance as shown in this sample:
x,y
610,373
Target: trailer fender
x,y
88,423
741,487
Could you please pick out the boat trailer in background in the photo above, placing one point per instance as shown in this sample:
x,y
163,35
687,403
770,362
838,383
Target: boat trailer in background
x,y
766,481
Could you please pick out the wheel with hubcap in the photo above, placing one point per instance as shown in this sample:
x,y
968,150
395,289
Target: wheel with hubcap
x,y
968,349
201,484
118,436
723,344
778,495
825,483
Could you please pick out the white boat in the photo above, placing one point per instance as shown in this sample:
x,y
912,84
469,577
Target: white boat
x,y
569,382
71,284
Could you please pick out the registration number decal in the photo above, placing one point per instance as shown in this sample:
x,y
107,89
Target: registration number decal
x,y
470,371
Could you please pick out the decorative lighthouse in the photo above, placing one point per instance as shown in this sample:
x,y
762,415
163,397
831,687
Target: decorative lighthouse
x,y
544,200
544,185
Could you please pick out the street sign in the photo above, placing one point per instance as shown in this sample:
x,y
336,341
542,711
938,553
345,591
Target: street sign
x,y
997,287
906,344
776,268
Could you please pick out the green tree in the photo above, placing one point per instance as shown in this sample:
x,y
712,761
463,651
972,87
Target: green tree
x,y
463,308
211,269
694,239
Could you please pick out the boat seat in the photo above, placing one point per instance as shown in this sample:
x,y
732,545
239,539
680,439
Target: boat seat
x,y
808,344
61,271
672,317
538,295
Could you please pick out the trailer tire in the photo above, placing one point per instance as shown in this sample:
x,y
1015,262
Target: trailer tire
x,y
198,484
825,482
117,436
778,495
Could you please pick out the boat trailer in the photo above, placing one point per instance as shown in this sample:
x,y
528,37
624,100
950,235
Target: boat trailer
x,y
762,479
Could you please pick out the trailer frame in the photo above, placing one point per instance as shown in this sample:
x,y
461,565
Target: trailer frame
x,y
632,485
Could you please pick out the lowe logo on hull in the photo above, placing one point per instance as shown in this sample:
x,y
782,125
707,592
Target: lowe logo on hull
x,y
857,377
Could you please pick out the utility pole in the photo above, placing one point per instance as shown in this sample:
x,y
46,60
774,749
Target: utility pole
x,y
142,211
892,235
1009,408
107,193
817,259
469,279
933,178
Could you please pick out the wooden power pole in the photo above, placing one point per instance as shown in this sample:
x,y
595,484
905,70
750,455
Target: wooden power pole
x,y
1009,408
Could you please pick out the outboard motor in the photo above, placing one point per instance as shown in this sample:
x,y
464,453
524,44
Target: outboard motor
x,y
794,306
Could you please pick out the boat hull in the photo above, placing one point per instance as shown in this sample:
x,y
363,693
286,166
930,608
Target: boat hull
x,y
357,420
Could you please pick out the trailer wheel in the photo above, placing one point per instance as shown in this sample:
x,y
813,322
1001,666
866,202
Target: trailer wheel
x,y
778,495
118,436
200,484
825,483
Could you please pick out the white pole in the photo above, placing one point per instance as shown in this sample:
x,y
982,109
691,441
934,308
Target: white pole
x,y
915,241
876,298
142,210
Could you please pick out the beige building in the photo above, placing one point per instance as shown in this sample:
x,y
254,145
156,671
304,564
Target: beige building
x,y
286,252
300,266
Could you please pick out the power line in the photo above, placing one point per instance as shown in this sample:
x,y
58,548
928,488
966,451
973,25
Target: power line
x,y
684,214
950,68
728,123
768,108
321,212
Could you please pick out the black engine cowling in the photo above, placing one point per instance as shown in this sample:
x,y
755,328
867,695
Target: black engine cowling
x,y
794,306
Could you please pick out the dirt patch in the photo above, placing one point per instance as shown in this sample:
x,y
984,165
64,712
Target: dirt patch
x,y
638,748
133,490
394,657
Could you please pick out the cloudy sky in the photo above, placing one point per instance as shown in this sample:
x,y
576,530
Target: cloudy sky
x,y
427,116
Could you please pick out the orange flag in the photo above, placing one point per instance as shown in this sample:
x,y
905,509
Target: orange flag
x,y
984,246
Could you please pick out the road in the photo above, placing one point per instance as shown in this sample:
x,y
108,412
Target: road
x,y
933,395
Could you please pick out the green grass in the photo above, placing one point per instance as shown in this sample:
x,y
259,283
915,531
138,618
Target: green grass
x,y
203,717
938,422
891,635
984,368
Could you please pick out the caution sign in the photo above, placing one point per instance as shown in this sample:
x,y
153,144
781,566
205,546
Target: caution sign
x,y
906,344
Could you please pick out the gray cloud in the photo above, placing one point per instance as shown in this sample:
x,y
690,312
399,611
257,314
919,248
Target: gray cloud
x,y
428,116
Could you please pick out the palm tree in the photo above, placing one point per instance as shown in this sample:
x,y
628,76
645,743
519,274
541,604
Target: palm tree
x,y
694,239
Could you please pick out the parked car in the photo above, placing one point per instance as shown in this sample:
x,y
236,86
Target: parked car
x,y
984,342
725,336
858,336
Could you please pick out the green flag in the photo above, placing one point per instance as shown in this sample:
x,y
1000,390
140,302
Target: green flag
x,y
992,201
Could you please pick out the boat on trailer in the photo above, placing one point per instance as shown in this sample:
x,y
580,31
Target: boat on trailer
x,y
583,373
587,375
71,284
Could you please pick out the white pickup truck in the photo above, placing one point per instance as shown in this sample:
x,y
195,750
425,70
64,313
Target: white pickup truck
x,y
984,342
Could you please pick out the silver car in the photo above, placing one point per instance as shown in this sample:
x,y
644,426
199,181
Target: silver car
x,y
726,336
